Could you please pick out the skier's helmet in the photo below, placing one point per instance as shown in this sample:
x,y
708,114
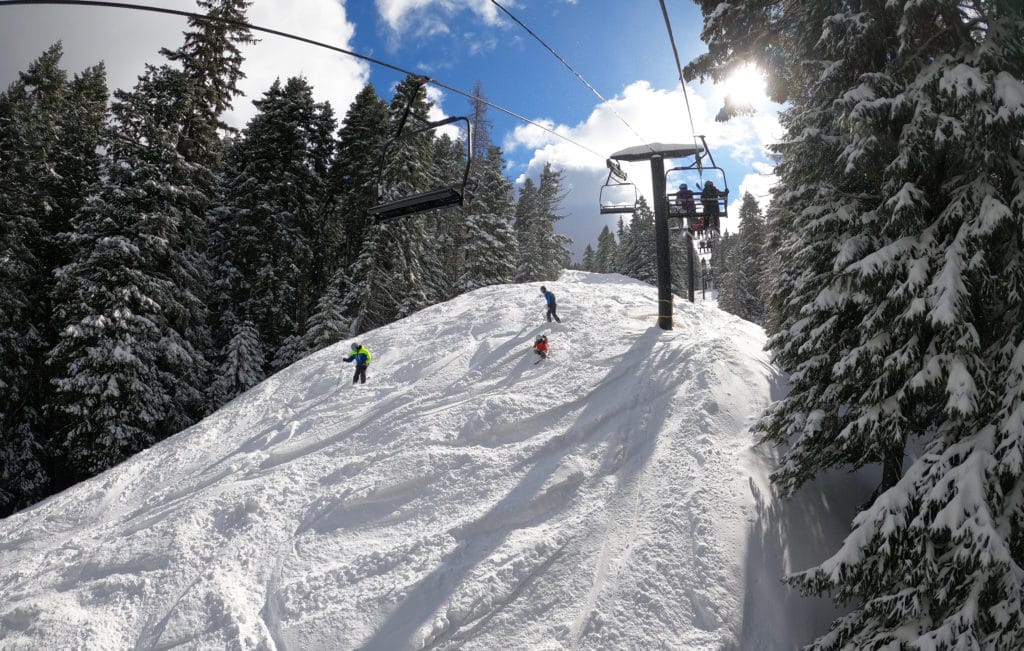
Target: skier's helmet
x,y
543,288
540,338
355,346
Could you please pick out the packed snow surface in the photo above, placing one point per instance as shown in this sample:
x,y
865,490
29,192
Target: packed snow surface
x,y
466,497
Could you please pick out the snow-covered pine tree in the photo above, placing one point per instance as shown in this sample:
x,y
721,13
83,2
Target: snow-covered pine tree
x,y
589,262
607,251
529,261
490,242
679,254
903,168
124,376
356,169
448,229
554,246
243,364
543,253
274,207
210,63
329,323
721,267
743,279
636,253
211,60
392,277
49,135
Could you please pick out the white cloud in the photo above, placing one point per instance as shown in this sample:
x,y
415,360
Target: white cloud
x,y
436,96
759,184
335,77
426,17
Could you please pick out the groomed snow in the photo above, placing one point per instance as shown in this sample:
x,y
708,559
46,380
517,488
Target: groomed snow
x,y
465,497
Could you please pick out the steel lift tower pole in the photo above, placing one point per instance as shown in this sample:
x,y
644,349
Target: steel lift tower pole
x,y
657,153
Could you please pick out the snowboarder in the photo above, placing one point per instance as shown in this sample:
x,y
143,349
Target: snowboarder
x,y
540,346
709,199
552,306
362,359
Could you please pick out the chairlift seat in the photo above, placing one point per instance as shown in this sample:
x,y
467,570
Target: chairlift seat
x,y
430,200
617,208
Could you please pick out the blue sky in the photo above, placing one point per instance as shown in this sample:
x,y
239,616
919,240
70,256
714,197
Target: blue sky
x,y
621,48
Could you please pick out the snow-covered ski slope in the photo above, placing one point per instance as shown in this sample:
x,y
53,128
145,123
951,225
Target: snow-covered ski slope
x,y
465,497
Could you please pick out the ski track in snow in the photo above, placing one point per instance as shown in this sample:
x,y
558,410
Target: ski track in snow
x,y
464,498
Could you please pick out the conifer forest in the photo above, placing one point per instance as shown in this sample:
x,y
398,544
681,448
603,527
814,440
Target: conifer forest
x,y
155,264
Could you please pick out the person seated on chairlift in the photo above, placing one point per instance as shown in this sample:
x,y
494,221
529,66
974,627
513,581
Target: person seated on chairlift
x,y
709,199
684,200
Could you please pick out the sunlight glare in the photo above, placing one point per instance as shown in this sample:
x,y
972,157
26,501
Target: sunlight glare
x,y
746,86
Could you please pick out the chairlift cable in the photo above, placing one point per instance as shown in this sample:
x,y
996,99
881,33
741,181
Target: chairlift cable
x,y
679,68
294,37
572,70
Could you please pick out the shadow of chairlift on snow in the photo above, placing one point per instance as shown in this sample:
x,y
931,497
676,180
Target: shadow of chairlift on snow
x,y
452,194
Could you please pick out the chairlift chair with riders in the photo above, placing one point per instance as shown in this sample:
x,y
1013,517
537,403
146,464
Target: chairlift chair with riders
x,y
695,218
452,194
617,194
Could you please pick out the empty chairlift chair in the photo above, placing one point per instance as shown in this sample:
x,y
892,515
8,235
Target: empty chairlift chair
x,y
617,194
453,194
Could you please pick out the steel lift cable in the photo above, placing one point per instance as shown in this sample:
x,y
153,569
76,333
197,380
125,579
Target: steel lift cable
x,y
302,39
571,69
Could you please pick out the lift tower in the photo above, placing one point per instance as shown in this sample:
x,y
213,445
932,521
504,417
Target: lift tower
x,y
657,153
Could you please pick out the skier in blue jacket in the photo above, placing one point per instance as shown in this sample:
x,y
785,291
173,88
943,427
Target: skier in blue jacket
x,y
552,305
362,358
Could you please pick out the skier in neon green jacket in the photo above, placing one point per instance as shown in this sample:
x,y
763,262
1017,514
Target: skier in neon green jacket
x,y
362,358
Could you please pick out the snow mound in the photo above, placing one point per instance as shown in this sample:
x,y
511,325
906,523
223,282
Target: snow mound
x,y
464,497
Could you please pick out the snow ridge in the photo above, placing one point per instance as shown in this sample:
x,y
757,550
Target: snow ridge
x,y
465,497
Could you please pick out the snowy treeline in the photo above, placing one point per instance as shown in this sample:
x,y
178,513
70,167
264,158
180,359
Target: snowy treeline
x,y
154,263
898,303
738,265
630,251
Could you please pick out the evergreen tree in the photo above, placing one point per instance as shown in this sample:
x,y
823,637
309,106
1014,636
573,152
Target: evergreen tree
x,y
529,265
554,247
274,210
904,318
481,123
607,252
637,255
49,135
743,279
211,60
125,377
243,364
356,168
391,278
449,230
329,323
490,242
210,63
589,258
543,253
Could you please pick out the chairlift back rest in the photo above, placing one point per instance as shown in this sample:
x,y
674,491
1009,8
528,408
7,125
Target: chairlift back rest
x,y
443,197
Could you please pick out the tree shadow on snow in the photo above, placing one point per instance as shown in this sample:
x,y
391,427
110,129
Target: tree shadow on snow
x,y
791,535
535,498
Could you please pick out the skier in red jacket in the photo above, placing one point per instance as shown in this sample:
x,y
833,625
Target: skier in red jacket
x,y
540,346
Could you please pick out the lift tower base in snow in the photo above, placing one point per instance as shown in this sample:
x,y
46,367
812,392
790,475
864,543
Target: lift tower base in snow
x,y
657,153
